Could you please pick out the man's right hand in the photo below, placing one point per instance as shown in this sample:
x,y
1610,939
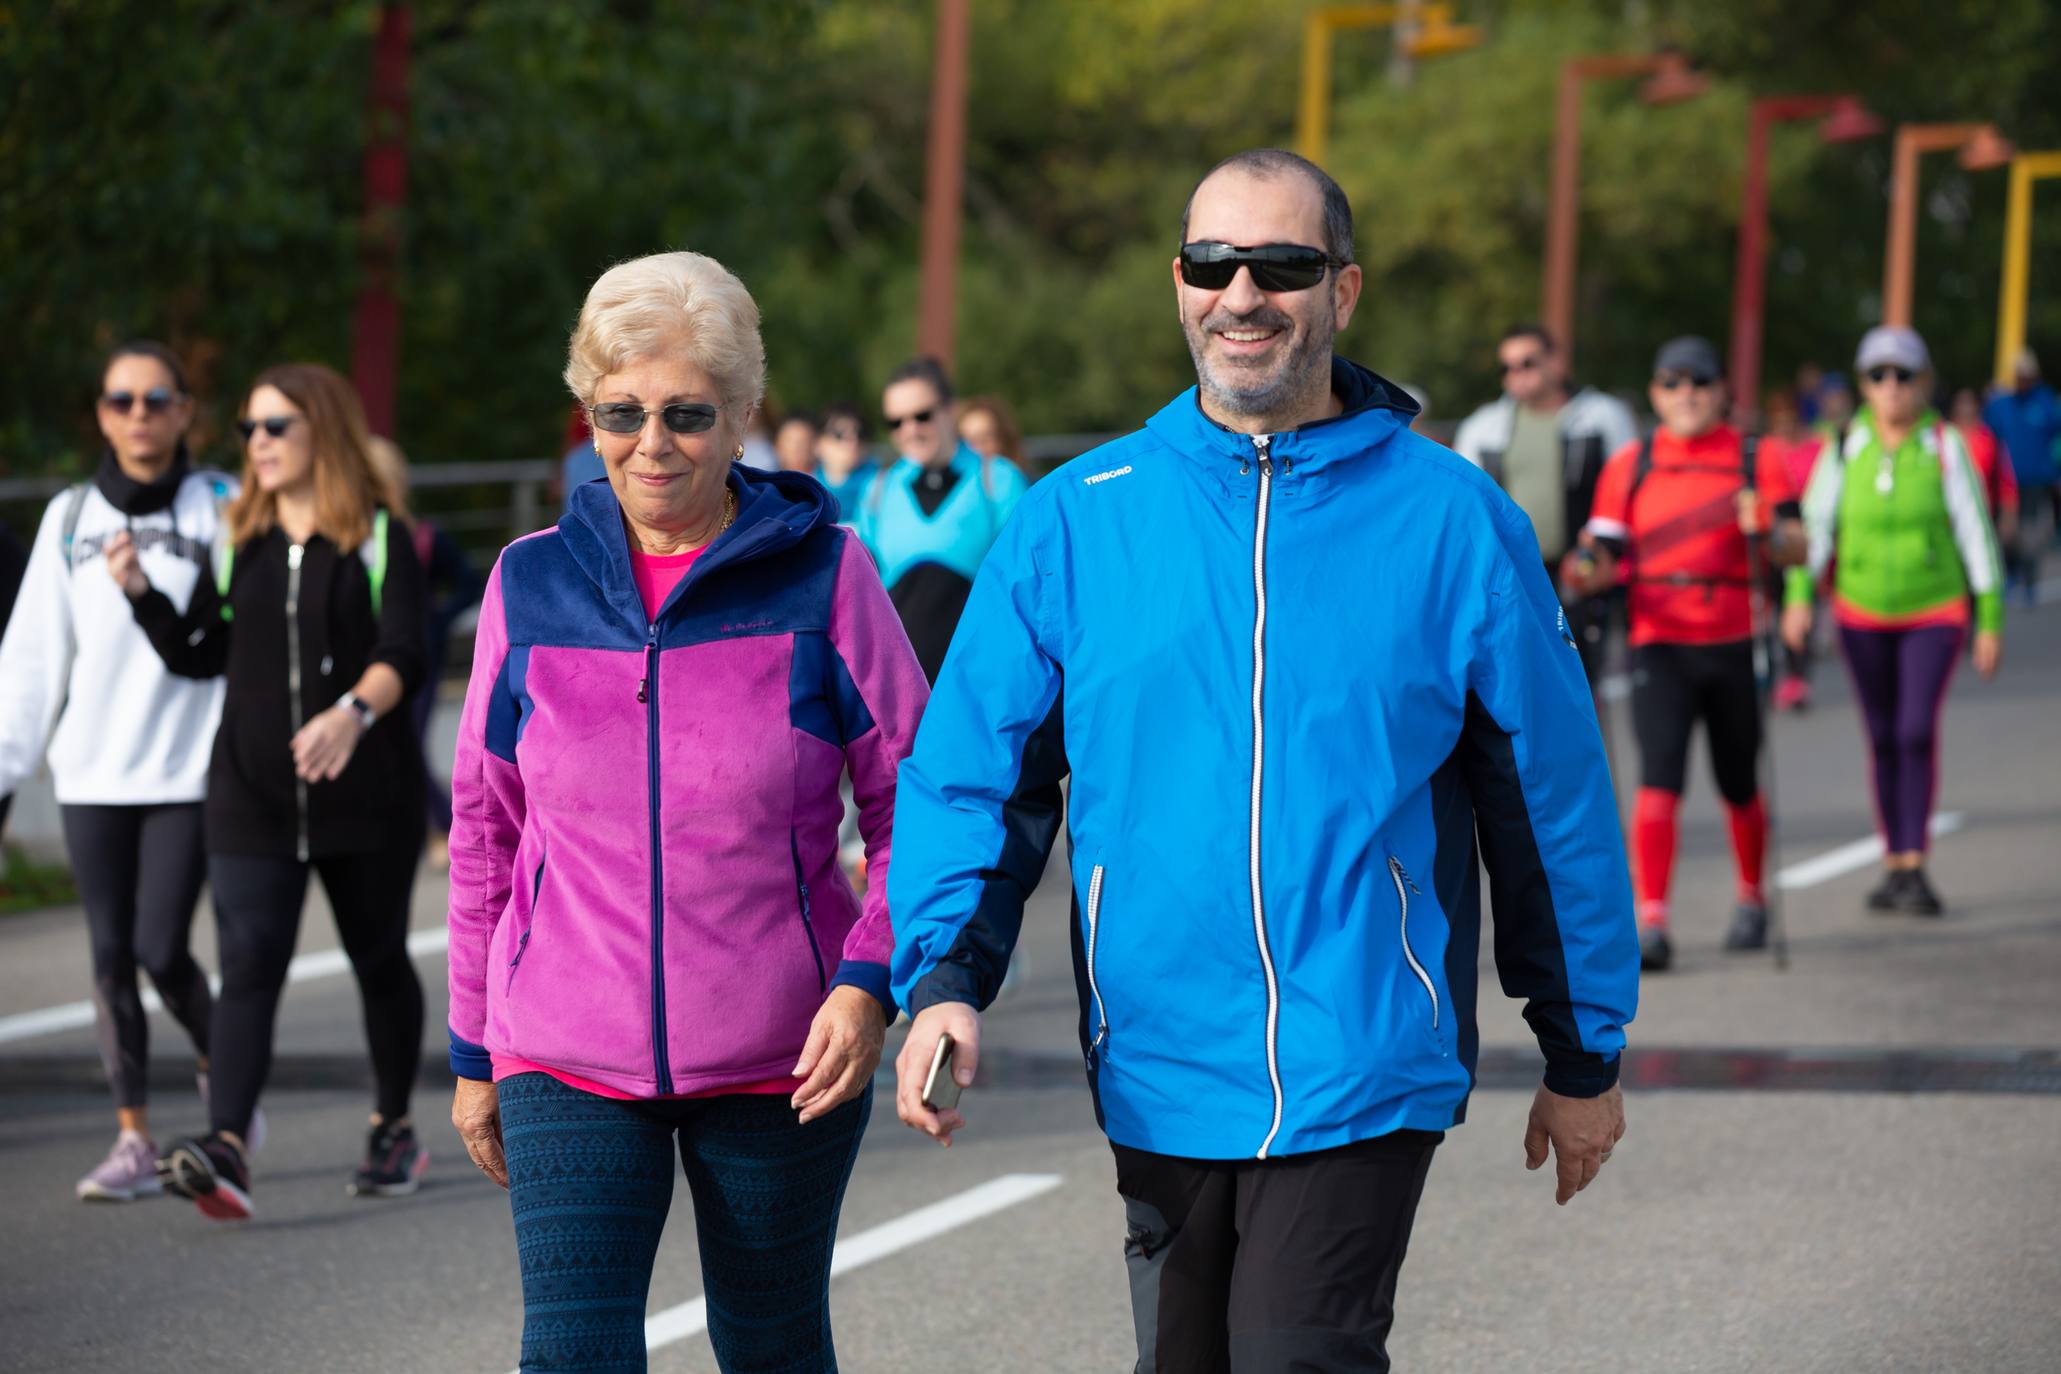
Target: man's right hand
x,y
1796,626
124,567
912,1065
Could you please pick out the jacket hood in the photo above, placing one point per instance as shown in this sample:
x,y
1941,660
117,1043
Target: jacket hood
x,y
1375,409
775,511
132,497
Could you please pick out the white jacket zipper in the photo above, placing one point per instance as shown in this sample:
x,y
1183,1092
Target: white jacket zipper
x,y
1094,989
1260,444
1403,888
294,554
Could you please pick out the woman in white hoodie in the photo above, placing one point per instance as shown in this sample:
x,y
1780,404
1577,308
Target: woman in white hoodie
x,y
127,741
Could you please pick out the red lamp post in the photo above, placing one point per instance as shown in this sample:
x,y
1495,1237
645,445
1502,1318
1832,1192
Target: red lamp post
x,y
1845,119
1669,79
376,338
944,186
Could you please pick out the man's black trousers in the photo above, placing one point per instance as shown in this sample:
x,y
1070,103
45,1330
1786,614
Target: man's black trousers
x,y
1277,1266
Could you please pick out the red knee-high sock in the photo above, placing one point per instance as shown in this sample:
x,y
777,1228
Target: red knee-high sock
x,y
1749,845
1653,849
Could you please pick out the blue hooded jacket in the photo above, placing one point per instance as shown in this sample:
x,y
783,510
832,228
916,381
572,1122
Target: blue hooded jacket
x,y
1292,676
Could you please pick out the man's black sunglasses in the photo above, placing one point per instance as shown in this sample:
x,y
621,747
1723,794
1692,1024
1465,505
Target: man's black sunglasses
x,y
1879,375
627,417
1275,266
1668,381
920,417
156,401
274,425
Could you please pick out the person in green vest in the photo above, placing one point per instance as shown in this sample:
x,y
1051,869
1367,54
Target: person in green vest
x,y
1895,512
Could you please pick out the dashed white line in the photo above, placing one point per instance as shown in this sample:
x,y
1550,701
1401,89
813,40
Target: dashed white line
x,y
322,963
925,1223
1834,863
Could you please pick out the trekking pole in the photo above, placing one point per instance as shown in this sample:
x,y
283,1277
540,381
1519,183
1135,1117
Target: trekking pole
x,y
1764,759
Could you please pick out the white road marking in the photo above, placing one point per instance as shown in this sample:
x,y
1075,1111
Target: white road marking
x,y
322,963
1834,863
925,1223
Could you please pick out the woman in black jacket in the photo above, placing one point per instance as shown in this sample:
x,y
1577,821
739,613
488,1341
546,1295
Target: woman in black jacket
x,y
315,619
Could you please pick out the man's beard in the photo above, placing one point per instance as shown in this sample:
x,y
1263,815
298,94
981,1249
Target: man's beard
x,y
1307,368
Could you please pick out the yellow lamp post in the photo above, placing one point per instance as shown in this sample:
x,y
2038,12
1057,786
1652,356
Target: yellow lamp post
x,y
2026,168
1424,30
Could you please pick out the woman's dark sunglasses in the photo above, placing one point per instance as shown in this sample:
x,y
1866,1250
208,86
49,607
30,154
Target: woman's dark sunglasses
x,y
1275,266
274,425
918,417
623,417
156,401
1669,381
1879,375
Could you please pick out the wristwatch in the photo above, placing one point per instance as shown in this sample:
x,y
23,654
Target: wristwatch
x,y
358,707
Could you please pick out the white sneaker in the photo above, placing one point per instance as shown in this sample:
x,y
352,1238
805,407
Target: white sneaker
x,y
128,1172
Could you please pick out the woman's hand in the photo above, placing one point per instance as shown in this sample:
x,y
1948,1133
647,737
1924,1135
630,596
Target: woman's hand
x,y
476,1112
324,745
842,1051
1796,627
123,566
1989,652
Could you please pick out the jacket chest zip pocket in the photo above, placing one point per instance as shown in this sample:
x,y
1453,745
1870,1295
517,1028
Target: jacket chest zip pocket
x,y
522,942
1404,888
1097,1044
801,888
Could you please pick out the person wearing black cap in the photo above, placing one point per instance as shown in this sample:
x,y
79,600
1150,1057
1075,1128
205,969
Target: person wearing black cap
x,y
1674,513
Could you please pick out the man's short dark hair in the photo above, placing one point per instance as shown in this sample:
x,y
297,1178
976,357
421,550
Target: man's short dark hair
x,y
1531,329
923,369
1267,163
846,410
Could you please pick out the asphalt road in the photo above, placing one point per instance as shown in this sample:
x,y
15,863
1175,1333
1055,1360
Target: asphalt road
x,y
1853,1165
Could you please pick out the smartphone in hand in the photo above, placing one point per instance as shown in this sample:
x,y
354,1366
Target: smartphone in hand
x,y
940,1088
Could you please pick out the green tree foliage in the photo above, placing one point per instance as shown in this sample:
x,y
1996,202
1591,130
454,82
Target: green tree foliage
x,y
191,169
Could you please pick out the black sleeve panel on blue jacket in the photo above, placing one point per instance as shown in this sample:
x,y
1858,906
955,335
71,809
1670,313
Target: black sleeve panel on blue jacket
x,y
1530,957
971,971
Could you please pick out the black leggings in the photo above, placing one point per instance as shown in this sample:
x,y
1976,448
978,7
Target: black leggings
x,y
1675,684
139,871
258,912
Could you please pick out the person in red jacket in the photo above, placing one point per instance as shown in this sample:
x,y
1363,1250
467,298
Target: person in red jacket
x,y
1674,513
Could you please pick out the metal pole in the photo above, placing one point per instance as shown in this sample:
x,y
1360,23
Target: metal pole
x,y
1556,307
1313,115
1749,274
944,186
2026,168
1903,230
376,341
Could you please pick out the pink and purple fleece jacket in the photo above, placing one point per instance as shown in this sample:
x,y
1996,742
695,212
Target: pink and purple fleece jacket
x,y
644,881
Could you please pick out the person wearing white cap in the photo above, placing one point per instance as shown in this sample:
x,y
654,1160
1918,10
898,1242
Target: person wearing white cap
x,y
2027,418
1898,486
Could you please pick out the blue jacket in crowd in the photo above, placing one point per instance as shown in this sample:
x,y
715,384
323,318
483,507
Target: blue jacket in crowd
x,y
1292,678
2029,423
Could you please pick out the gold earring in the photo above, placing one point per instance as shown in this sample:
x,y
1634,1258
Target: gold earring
x,y
739,455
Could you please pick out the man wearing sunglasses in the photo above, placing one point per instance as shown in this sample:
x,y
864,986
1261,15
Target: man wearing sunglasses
x,y
1544,442
1306,657
1684,514
930,517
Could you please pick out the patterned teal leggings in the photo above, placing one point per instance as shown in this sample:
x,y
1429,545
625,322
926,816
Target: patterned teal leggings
x,y
591,1179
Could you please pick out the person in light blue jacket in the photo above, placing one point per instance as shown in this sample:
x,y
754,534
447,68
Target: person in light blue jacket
x,y
931,515
1296,659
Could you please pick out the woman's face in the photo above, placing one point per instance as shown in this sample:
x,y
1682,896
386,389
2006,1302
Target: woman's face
x,y
1896,395
670,485
981,433
142,411
795,446
279,450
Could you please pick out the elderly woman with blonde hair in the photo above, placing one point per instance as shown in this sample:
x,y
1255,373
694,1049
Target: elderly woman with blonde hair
x,y
653,949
